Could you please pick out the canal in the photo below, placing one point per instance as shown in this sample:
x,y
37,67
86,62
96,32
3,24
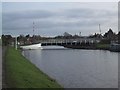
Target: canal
x,y
77,68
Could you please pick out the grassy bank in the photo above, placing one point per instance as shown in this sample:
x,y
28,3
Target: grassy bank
x,y
103,46
92,47
20,73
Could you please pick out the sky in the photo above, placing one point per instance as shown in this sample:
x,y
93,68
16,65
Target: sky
x,y
55,18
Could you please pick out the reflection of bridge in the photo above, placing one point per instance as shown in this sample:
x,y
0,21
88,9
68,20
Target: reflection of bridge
x,y
63,42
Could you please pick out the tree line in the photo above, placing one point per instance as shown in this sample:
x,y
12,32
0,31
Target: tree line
x,y
105,38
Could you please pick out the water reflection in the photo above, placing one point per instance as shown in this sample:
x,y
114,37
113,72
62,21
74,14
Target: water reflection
x,y
74,68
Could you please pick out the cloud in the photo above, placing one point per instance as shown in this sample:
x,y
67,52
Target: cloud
x,y
26,15
55,22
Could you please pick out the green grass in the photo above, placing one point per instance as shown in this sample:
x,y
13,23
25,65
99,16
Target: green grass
x,y
20,73
103,46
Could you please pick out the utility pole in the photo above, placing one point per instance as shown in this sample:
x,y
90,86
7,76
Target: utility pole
x,y
99,29
33,40
100,32
33,27
79,33
16,42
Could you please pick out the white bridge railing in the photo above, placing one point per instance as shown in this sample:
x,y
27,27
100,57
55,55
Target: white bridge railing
x,y
70,40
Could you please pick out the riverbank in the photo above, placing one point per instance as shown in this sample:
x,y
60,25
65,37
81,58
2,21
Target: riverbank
x,y
103,46
90,47
20,73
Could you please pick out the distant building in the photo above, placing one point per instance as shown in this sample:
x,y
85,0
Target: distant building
x,y
67,34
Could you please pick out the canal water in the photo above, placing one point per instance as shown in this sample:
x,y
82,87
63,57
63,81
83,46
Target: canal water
x,y
77,68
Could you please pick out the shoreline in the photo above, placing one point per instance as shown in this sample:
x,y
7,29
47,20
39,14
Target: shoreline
x,y
96,47
23,74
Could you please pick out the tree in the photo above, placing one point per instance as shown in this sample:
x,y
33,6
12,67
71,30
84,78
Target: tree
x,y
119,37
109,35
6,39
27,36
96,35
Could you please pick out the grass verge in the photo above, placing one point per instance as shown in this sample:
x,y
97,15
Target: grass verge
x,y
103,46
20,73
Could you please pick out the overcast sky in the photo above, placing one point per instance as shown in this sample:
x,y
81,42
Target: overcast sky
x,y
53,19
